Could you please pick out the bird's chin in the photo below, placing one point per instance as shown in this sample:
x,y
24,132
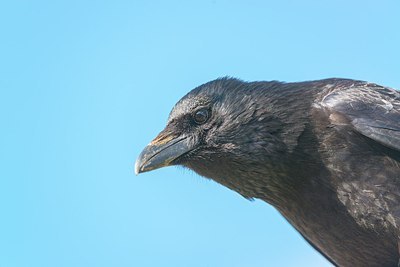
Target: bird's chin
x,y
185,158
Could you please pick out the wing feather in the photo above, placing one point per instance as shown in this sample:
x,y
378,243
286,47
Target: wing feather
x,y
372,110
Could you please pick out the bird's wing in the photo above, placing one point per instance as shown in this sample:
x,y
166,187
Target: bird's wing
x,y
317,249
372,110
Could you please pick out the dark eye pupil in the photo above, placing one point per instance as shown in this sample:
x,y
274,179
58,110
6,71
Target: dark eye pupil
x,y
201,116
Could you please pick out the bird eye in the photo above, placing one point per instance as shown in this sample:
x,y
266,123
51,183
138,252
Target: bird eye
x,y
201,116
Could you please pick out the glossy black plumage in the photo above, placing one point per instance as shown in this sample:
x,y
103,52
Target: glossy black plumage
x,y
325,153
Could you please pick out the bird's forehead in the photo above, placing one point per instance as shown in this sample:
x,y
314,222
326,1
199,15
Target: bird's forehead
x,y
189,103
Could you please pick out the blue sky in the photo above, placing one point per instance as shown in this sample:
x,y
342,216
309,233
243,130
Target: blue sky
x,y
85,85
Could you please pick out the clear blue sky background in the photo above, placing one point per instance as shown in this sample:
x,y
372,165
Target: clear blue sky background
x,y
85,85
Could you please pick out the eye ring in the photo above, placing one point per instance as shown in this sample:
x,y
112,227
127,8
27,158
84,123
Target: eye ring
x,y
201,116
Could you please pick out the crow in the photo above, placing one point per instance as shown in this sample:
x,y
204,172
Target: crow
x,y
325,154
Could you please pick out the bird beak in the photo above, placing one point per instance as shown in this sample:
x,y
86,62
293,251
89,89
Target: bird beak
x,y
161,152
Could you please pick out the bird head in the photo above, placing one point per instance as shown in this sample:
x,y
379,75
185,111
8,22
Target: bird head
x,y
223,130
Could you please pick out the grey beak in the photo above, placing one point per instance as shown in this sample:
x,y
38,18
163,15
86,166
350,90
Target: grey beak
x,y
161,152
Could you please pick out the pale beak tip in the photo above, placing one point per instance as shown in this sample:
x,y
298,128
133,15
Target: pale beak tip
x,y
137,167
